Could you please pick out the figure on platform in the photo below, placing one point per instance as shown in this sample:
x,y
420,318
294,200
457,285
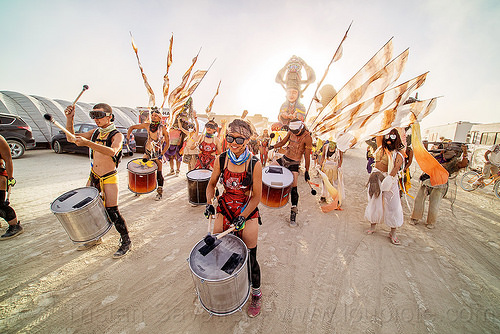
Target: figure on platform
x,y
290,78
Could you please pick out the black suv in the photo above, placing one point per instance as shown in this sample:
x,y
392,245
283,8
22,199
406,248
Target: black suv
x,y
17,133
60,144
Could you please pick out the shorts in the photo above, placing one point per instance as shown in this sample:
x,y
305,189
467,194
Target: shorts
x,y
291,165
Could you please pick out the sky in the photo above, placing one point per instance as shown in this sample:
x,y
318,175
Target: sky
x,y
52,48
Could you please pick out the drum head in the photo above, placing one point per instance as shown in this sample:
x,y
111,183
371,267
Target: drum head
x,y
137,166
74,200
223,261
277,176
199,174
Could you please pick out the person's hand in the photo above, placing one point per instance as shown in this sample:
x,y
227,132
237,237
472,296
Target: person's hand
x,y
70,111
80,141
209,211
11,182
306,176
239,223
271,147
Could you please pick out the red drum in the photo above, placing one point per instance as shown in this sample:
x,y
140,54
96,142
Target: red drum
x,y
141,176
276,186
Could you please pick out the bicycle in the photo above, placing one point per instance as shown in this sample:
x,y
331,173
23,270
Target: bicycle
x,y
470,178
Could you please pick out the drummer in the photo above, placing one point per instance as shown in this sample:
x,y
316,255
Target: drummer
x,y
241,173
105,144
209,146
156,145
7,180
299,144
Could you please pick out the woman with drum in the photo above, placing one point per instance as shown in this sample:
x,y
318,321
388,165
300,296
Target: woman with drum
x,y
209,146
105,144
156,145
241,174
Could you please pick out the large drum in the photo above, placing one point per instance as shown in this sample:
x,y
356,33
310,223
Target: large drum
x,y
276,186
82,214
141,176
221,276
197,185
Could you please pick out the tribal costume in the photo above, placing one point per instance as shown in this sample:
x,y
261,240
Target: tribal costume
x,y
383,205
206,157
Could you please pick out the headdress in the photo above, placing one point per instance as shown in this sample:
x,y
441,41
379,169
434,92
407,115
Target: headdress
x,y
290,75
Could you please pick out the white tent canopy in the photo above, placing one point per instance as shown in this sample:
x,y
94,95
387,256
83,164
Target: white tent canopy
x,y
31,109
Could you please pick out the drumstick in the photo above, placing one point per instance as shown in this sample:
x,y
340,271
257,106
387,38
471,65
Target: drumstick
x,y
85,87
212,242
49,118
313,191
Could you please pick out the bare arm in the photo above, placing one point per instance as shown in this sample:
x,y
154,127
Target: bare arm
x,y
167,140
135,127
283,141
218,146
307,152
116,144
486,155
70,116
341,157
397,165
7,157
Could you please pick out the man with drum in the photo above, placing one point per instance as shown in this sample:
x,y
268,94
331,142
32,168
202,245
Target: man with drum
x,y
7,180
299,144
105,144
241,174
156,145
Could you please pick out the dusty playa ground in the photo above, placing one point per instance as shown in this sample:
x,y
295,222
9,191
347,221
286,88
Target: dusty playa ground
x,y
325,276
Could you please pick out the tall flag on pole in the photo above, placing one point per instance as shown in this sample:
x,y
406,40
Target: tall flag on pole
x,y
148,87
209,108
166,81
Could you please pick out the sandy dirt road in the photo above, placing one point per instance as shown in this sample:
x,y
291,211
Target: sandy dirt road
x,y
325,276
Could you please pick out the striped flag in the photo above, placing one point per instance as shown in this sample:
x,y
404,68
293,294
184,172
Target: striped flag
x,y
145,79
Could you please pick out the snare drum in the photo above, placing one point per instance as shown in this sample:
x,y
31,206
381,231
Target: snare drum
x,y
82,214
141,176
221,277
276,186
197,185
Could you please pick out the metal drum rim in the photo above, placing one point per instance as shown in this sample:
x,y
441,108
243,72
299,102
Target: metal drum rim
x,y
218,280
229,312
206,179
106,231
78,209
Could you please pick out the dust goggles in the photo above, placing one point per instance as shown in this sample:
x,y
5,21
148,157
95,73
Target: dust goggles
x,y
238,140
211,126
392,137
98,114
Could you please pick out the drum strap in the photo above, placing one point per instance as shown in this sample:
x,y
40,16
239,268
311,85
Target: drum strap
x,y
229,216
118,156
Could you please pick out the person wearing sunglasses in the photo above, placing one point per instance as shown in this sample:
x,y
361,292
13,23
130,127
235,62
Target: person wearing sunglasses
x,y
209,146
156,145
241,175
384,203
299,144
105,144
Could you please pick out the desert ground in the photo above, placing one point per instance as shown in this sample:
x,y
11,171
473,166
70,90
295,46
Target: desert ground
x,y
325,276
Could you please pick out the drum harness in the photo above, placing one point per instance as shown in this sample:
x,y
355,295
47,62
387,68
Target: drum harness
x,y
224,208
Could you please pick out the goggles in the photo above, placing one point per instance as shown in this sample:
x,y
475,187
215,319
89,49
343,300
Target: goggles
x,y
211,126
155,111
391,137
98,114
238,140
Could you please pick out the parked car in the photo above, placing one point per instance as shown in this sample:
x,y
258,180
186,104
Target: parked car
x,y
17,133
60,144
140,136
